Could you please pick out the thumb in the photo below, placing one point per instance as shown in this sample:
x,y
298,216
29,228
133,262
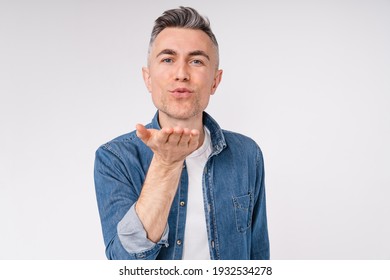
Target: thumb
x,y
142,133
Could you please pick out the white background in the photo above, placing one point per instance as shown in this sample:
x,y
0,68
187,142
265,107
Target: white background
x,y
308,80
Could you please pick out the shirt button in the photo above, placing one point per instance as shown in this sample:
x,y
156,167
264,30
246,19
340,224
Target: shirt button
x,y
178,242
182,203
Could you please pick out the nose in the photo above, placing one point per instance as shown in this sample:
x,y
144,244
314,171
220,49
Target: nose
x,y
182,73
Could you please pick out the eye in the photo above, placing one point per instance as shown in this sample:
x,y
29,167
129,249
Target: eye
x,y
167,60
197,62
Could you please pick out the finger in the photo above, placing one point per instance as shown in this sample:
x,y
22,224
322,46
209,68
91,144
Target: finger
x,y
194,138
185,138
143,133
174,138
163,134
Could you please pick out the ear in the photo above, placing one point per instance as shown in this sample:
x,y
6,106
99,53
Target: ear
x,y
217,80
147,79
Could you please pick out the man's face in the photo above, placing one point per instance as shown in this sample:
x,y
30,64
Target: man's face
x,y
182,73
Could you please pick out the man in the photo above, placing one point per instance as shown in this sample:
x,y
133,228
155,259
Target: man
x,y
181,187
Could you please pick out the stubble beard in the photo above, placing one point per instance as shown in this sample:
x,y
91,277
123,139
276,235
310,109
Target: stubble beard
x,y
174,111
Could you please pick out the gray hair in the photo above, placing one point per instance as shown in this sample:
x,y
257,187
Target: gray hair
x,y
183,17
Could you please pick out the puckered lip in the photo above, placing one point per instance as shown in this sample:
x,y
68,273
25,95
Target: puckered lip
x,y
181,92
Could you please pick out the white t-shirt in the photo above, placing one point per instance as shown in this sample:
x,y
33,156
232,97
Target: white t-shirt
x,y
195,236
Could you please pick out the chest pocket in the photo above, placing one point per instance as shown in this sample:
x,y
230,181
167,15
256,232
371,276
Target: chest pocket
x,y
243,208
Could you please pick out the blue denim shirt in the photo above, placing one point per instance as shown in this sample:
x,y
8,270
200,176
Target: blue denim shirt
x,y
233,191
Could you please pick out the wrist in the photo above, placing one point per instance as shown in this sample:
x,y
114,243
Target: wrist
x,y
162,164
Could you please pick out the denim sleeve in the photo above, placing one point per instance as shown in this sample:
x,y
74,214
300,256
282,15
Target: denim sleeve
x,y
117,192
260,244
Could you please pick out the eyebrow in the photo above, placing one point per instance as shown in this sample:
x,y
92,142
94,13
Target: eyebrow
x,y
199,52
166,51
193,53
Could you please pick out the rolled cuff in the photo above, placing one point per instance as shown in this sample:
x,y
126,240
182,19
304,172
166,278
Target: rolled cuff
x,y
133,236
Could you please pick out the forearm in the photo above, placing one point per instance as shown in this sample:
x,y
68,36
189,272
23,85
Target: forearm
x,y
170,147
158,192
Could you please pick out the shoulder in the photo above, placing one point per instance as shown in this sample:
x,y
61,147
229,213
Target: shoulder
x,y
123,146
239,139
128,140
119,142
125,153
242,144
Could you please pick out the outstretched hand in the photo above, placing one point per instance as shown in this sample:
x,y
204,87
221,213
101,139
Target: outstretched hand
x,y
170,145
